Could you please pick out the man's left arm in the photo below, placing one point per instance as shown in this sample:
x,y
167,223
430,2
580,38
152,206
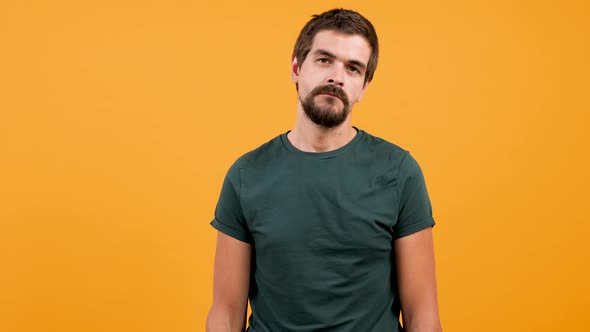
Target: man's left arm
x,y
416,277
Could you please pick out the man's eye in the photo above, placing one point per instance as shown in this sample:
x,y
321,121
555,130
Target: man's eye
x,y
353,69
323,60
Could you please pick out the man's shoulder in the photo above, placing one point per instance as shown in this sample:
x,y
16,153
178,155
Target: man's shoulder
x,y
263,154
381,146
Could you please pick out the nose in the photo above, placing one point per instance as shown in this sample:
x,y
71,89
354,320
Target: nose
x,y
336,76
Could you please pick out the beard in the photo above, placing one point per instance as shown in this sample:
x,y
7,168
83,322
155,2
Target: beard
x,y
327,115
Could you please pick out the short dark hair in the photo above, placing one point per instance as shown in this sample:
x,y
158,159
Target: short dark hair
x,y
341,20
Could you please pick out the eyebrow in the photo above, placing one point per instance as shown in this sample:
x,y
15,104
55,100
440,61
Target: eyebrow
x,y
333,56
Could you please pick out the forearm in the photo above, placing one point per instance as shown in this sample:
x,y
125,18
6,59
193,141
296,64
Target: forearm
x,y
226,320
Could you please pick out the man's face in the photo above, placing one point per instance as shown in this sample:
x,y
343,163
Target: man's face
x,y
331,79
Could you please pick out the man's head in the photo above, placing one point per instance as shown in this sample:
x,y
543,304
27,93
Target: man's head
x,y
344,21
334,60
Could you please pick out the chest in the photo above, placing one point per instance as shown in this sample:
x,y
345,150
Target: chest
x,y
322,206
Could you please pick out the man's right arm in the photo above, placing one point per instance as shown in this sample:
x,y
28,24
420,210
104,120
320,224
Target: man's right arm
x,y
231,280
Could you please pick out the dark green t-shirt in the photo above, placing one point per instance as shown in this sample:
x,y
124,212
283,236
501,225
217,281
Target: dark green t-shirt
x,y
322,227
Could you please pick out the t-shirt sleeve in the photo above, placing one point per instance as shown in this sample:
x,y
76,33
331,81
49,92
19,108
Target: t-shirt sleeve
x,y
415,211
229,218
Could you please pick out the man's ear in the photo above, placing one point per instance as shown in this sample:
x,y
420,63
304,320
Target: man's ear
x,y
294,69
363,91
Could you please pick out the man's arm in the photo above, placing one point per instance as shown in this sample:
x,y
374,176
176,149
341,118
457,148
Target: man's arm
x,y
231,279
414,256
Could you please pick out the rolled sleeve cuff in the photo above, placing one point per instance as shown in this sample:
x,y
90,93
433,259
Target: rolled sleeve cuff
x,y
236,234
414,228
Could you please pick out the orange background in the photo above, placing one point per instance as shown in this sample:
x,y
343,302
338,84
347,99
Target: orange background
x,y
119,120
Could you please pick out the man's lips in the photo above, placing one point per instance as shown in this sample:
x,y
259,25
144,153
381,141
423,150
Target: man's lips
x,y
329,94
332,92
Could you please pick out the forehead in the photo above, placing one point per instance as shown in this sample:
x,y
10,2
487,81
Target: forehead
x,y
343,45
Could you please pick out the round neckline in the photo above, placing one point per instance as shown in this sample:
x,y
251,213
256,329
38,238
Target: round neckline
x,y
322,155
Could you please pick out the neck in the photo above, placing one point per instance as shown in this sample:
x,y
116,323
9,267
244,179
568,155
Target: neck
x,y
310,137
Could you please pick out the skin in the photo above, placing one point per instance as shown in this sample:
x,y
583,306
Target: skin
x,y
416,279
339,59
320,69
231,277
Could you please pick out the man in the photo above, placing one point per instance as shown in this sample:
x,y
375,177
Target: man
x,y
326,227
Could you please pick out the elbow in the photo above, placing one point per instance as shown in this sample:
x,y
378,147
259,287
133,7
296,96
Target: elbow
x,y
225,319
424,322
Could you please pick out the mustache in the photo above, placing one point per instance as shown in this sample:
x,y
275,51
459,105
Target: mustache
x,y
330,89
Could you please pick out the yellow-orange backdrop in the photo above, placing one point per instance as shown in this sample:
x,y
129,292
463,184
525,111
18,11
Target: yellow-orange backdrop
x,y
119,119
